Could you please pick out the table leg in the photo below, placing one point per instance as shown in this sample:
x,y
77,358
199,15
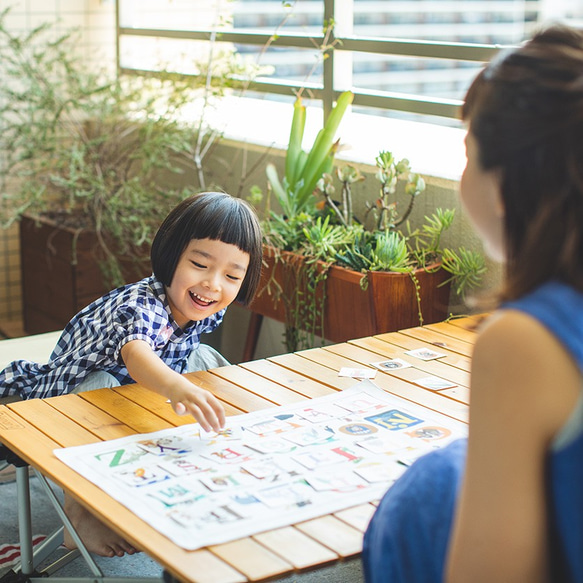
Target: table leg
x,y
252,336
67,524
24,520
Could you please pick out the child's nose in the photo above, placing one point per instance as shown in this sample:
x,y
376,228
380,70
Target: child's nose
x,y
212,281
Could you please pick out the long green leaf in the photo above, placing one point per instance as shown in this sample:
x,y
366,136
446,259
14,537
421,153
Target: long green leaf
x,y
325,168
325,138
278,189
299,170
295,142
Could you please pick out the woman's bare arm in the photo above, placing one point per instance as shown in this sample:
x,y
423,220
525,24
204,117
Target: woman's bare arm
x,y
524,386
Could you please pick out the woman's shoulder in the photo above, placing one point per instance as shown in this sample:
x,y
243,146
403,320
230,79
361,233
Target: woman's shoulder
x,y
521,366
514,339
557,308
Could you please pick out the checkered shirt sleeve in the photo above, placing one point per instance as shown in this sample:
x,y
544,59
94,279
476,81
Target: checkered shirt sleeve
x,y
94,337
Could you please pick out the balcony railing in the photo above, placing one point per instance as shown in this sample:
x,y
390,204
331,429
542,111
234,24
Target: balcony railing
x,y
345,46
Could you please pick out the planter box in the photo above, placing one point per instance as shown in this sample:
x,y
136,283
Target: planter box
x,y
388,304
60,273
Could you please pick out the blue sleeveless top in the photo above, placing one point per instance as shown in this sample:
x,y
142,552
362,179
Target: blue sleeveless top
x,y
407,539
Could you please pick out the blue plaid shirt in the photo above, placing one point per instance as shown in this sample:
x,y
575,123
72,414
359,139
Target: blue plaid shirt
x,y
93,339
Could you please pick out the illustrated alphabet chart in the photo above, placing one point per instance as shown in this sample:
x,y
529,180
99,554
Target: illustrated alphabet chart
x,y
266,469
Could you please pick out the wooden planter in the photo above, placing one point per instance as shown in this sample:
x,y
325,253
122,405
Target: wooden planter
x,y
388,304
60,273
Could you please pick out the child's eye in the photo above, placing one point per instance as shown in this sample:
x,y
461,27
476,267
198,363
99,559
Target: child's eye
x,y
199,265
233,277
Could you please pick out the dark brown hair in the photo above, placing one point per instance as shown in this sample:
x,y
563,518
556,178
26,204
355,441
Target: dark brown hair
x,y
209,215
525,110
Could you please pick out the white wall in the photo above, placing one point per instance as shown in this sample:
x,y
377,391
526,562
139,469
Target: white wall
x,y
94,18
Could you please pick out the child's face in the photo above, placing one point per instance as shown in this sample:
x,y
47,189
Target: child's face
x,y
207,279
482,200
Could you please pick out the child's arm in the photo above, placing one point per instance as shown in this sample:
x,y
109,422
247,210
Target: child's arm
x,y
524,386
147,369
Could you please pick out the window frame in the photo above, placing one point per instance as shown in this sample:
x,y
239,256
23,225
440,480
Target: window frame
x,y
345,45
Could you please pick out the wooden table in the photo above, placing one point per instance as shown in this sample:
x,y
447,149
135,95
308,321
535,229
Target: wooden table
x,y
33,429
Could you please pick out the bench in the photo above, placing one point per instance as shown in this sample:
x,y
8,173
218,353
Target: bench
x,y
36,348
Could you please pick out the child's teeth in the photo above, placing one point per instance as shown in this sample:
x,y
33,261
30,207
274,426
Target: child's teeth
x,y
205,300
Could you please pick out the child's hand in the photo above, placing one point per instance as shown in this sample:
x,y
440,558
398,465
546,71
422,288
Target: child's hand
x,y
201,404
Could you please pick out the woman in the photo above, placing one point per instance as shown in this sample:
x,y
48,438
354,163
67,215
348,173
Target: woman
x,y
507,505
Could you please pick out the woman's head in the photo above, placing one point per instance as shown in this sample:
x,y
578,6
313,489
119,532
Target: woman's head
x,y
525,114
210,215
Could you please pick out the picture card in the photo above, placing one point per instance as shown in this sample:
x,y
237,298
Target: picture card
x,y
392,364
375,472
228,433
434,383
425,353
357,373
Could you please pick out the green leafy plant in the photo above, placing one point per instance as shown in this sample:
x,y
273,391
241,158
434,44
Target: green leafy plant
x,y
389,171
304,169
329,233
95,152
467,268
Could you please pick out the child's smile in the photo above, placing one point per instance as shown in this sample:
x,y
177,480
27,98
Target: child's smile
x,y
200,300
207,279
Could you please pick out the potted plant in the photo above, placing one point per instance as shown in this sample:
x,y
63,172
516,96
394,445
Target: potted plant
x,y
90,166
336,276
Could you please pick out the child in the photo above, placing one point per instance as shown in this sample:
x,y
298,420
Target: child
x,y
507,504
206,254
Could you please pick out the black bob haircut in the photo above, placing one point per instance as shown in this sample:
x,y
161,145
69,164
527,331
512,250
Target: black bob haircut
x,y
209,215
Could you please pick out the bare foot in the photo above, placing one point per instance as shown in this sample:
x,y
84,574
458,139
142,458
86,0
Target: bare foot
x,y
97,537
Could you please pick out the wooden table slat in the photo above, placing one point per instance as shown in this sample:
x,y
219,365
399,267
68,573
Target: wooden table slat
x,y
252,559
64,431
262,387
335,534
93,419
388,350
455,332
205,567
325,358
358,516
125,410
407,342
295,547
433,400
288,378
229,392
323,374
472,322
439,341
419,368
159,405
20,434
